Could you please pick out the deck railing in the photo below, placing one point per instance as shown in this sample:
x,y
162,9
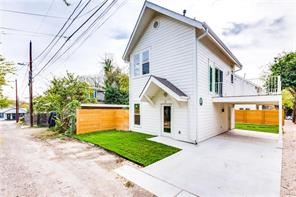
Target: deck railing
x,y
250,87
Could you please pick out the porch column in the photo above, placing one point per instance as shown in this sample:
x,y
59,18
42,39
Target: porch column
x,y
280,121
232,117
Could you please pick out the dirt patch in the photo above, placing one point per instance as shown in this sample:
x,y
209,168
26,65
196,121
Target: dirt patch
x,y
35,162
46,134
288,185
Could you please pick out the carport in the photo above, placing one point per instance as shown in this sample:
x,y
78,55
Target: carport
x,y
274,99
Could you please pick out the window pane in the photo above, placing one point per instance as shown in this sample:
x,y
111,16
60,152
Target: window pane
x,y
211,78
145,56
137,116
231,77
145,68
137,64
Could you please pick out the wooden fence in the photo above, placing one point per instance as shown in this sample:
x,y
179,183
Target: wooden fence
x,y
91,120
267,117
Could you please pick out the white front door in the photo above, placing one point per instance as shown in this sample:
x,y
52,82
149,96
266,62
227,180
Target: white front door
x,y
166,122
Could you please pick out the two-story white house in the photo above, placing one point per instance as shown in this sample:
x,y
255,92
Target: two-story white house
x,y
179,72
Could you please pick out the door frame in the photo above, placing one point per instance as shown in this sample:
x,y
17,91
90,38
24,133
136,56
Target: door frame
x,y
162,122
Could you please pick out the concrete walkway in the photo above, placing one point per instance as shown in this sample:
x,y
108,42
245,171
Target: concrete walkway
x,y
237,163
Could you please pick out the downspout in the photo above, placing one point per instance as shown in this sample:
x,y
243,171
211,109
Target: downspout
x,y
206,31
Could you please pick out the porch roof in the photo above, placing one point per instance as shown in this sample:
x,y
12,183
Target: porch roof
x,y
252,99
154,84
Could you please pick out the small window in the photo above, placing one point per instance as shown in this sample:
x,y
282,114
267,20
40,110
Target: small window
x,y
137,115
231,77
156,24
145,62
1,115
137,65
211,78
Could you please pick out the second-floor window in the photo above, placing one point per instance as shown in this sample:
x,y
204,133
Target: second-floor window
x,y
137,68
211,78
141,63
145,62
218,81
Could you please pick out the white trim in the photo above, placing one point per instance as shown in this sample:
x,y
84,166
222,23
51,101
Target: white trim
x,y
163,87
105,105
162,118
163,11
140,53
137,125
191,22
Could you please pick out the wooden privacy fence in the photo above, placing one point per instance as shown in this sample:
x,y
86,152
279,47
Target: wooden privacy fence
x,y
267,117
91,120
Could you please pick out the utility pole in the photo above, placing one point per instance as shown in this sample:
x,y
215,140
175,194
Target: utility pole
x,y
31,85
16,103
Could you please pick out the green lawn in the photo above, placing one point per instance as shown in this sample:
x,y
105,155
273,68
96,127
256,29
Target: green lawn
x,y
261,128
130,145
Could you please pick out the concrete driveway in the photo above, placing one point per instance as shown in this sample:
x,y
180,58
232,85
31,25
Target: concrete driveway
x,y
237,163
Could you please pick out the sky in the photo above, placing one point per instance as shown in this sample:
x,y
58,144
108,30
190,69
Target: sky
x,y
255,31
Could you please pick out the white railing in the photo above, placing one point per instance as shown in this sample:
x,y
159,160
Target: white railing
x,y
251,87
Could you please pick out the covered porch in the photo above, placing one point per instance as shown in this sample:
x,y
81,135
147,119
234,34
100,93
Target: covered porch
x,y
273,99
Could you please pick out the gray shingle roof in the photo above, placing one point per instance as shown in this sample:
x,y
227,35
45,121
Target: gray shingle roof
x,y
167,84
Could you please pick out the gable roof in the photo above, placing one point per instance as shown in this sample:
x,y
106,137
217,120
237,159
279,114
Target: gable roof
x,y
166,86
12,110
147,13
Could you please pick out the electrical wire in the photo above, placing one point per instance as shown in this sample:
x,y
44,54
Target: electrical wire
x,y
59,30
30,32
32,14
70,38
89,28
97,28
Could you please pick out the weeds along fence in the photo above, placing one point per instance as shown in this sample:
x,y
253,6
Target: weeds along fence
x,y
100,117
261,117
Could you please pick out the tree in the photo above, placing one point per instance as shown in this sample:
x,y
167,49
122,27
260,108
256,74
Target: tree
x,y
6,68
115,84
64,96
285,66
287,101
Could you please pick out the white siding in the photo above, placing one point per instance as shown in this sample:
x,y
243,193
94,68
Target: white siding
x,y
172,56
210,118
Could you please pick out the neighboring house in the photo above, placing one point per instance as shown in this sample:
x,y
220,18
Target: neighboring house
x,y
10,113
182,78
99,95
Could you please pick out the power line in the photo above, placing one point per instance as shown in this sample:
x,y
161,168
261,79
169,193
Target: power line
x,y
70,38
32,14
42,20
89,28
60,30
30,32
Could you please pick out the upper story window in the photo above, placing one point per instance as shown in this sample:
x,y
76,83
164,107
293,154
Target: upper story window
x,y
231,77
137,67
211,78
145,62
218,81
142,63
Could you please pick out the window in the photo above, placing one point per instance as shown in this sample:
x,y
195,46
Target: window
x,y
211,78
142,63
1,115
137,115
231,76
137,65
218,81
145,62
